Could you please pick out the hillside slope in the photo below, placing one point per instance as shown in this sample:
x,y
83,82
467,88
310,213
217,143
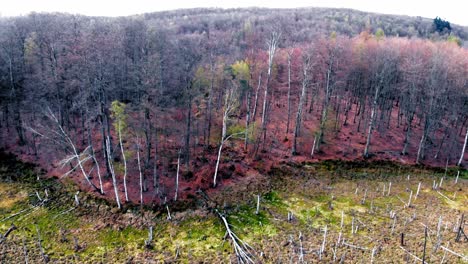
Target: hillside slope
x,y
150,108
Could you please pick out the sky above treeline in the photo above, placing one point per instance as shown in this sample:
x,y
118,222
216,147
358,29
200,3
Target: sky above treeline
x,y
454,11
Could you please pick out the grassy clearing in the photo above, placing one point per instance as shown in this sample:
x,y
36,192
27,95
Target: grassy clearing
x,y
317,195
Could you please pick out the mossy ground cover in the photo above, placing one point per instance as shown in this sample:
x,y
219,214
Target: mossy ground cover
x,y
315,195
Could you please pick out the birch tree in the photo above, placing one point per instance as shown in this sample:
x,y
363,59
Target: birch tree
x,y
118,113
231,103
463,149
272,44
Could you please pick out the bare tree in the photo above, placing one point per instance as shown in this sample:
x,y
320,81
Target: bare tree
x,y
330,56
139,171
384,77
463,149
230,104
290,52
60,137
114,178
306,65
177,177
272,44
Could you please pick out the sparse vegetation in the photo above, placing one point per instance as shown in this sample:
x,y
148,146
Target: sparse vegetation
x,y
311,193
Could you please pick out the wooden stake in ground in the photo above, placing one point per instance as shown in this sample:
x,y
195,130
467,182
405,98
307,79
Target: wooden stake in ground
x,y
409,200
461,230
258,205
372,255
417,192
148,242
464,258
301,249
25,252
322,248
169,217
77,200
342,220
364,198
425,240
41,249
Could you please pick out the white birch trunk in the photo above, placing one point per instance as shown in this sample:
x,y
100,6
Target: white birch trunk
x,y
217,163
177,178
463,149
141,175
114,179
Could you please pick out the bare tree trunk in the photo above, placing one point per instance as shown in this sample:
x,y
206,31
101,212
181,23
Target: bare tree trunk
x,y
326,102
228,107
148,133
98,169
16,108
103,133
408,132
305,82
361,112
104,146
463,149
272,45
114,178
139,170
420,154
155,162
289,93
256,96
446,132
371,121
313,147
187,135
177,178
210,100
247,121
217,163
337,115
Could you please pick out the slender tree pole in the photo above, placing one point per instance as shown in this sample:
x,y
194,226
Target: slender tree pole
x,y
463,149
305,83
114,179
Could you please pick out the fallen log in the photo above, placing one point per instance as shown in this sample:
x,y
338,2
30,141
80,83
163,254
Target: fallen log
x,y
11,229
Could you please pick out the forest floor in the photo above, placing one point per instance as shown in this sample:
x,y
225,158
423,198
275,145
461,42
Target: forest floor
x,y
298,202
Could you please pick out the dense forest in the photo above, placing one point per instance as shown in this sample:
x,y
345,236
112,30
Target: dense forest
x,y
150,108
